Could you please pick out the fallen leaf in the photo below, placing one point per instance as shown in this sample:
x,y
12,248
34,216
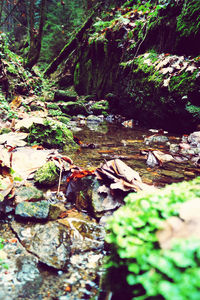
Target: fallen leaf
x,y
152,161
16,102
163,157
190,210
166,82
28,122
13,139
27,160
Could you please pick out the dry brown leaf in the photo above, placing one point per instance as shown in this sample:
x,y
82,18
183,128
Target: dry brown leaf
x,y
13,139
28,122
174,228
190,210
27,160
16,102
163,157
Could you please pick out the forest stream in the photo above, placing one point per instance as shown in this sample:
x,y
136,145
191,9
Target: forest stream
x,y
30,274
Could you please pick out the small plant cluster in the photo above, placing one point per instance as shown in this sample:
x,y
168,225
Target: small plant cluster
x,y
6,113
137,261
2,262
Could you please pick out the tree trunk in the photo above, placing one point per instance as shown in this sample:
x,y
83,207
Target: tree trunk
x,y
69,47
35,35
1,9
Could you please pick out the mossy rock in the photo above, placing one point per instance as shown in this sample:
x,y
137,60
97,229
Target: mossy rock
x,y
38,210
62,95
47,175
51,134
73,108
26,193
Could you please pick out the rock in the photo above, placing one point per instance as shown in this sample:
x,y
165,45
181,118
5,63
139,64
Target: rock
x,y
94,119
174,148
26,193
85,233
68,95
38,210
29,275
194,138
22,277
52,134
156,139
47,175
73,108
50,242
173,174
55,210
94,197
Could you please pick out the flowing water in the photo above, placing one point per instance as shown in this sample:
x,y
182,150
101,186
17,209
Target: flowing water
x,y
101,141
108,141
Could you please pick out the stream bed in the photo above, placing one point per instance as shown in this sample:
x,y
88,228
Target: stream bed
x,y
28,275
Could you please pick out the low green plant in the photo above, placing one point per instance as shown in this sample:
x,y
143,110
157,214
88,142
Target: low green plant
x,y
137,267
6,112
194,110
2,261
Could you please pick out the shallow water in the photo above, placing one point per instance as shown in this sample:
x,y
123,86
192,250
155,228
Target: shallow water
x,y
117,141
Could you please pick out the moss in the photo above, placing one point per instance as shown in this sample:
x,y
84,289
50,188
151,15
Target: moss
x,y
51,134
188,22
77,74
184,83
64,120
53,106
55,112
47,175
100,107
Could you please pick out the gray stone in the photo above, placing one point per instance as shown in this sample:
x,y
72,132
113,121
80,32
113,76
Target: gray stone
x,y
194,138
38,210
24,193
50,242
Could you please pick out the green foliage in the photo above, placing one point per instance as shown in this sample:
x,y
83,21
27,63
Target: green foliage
x,y
60,23
2,262
136,258
184,82
188,22
6,112
194,110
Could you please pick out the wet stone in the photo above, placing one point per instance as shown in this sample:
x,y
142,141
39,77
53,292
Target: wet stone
x,y
38,210
172,174
194,138
50,242
22,278
27,193
156,139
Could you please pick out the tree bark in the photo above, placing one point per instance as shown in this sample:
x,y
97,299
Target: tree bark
x,y
35,36
69,47
1,9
